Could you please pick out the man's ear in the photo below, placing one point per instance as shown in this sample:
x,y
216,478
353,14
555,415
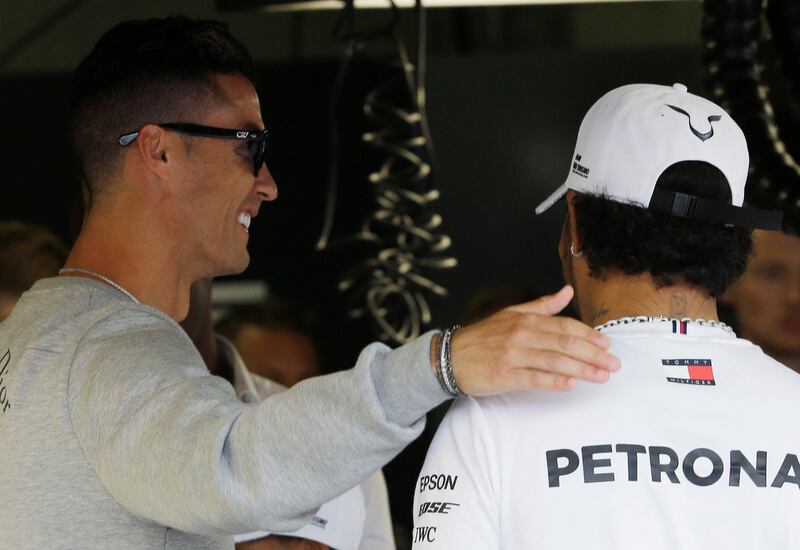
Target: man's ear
x,y
154,149
575,239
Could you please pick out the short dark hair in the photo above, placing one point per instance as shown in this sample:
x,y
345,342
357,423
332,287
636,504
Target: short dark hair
x,y
146,71
635,240
275,313
27,253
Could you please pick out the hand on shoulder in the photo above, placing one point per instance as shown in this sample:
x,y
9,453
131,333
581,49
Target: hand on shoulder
x,y
528,346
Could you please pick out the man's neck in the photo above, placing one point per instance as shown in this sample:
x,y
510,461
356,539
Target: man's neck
x,y
136,256
628,296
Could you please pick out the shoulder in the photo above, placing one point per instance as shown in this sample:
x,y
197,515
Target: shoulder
x,y
468,428
133,326
784,376
113,320
131,334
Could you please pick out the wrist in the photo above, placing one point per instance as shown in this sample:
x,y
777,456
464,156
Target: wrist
x,y
433,355
442,363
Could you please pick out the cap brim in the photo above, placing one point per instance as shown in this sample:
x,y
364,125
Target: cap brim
x,y
552,199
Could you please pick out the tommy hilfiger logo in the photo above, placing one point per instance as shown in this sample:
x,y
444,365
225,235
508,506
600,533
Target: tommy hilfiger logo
x,y
701,136
578,168
679,327
697,372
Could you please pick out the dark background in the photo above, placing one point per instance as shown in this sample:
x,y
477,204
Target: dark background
x,y
507,89
503,119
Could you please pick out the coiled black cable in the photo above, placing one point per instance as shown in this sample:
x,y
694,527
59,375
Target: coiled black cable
x,y
392,287
747,43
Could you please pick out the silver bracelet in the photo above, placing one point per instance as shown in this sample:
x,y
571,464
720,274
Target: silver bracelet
x,y
440,361
447,378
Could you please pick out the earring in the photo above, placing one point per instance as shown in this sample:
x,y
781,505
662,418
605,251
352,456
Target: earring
x,y
572,251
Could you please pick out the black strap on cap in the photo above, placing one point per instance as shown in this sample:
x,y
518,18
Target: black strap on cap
x,y
714,211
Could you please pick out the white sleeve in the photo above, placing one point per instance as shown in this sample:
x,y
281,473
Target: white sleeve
x,y
378,533
455,503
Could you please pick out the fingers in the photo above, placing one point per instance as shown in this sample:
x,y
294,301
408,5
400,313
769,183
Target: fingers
x,y
568,327
548,305
526,379
579,350
564,365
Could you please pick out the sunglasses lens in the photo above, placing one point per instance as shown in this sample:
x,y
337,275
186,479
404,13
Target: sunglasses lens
x,y
259,149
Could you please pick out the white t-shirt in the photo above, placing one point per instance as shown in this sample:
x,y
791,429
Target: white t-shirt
x,y
692,445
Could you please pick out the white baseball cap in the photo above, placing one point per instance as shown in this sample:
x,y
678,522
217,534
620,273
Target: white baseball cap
x,y
632,134
338,524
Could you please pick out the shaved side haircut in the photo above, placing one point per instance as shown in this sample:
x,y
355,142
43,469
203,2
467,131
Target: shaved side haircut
x,y
146,72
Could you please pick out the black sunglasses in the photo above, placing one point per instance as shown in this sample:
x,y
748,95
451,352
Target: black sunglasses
x,y
256,140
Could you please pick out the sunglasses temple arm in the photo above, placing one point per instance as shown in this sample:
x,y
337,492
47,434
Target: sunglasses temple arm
x,y
127,139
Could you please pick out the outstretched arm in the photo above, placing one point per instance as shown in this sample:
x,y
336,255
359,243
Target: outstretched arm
x,y
174,445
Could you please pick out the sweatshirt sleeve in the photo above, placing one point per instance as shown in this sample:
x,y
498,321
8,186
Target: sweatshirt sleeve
x,y
455,501
174,445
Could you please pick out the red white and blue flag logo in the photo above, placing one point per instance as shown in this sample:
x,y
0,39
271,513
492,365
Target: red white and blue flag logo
x,y
679,327
697,372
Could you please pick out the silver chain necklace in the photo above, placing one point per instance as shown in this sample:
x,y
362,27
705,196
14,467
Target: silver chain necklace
x,y
661,318
101,277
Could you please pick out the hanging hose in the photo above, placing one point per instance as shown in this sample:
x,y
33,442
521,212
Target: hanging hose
x,y
392,287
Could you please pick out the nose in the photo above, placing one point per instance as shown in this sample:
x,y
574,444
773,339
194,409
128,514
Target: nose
x,y
265,185
793,292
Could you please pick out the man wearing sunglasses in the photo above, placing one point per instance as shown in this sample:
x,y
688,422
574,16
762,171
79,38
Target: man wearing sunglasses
x,y
112,429
255,140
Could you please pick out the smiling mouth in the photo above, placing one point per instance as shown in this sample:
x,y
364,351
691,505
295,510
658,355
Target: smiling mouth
x,y
244,219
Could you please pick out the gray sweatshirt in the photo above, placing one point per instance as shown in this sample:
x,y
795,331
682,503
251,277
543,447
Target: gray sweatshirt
x,y
114,435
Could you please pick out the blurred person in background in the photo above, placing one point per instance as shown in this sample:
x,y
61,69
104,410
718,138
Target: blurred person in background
x,y
27,253
766,300
278,338
491,300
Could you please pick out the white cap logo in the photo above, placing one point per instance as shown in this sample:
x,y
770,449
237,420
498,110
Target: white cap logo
x,y
711,119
